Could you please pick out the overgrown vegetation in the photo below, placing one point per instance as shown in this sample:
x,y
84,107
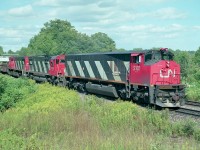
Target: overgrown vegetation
x,y
56,118
190,72
12,91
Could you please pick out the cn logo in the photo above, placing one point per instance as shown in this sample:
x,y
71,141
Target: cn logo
x,y
166,74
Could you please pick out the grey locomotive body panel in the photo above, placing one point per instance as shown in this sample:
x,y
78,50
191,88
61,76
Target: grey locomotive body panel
x,y
19,63
39,64
113,67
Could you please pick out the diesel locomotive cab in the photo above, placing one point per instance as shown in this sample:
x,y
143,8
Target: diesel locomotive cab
x,y
165,78
57,70
152,57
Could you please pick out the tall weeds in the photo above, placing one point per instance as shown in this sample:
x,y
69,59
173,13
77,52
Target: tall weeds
x,y
55,118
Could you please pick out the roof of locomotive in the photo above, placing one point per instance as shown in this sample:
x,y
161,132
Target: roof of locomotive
x,y
58,56
115,52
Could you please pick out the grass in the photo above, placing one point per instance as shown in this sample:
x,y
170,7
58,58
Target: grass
x,y
55,118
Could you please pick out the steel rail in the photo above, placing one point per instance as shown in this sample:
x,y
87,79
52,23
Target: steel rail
x,y
187,111
193,103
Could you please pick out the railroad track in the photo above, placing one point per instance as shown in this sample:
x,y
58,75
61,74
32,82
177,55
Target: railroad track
x,y
190,109
190,112
193,103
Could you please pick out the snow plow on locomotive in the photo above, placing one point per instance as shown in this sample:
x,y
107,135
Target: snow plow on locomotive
x,y
149,76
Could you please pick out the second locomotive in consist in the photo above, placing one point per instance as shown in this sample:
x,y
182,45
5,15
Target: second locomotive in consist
x,y
150,76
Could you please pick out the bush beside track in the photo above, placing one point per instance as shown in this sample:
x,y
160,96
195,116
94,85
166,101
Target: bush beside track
x,y
12,91
193,91
49,117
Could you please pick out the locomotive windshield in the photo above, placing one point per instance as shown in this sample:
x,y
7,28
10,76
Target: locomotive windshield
x,y
155,56
165,55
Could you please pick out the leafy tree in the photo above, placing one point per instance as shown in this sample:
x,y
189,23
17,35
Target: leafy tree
x,y
183,58
137,49
197,57
103,43
11,52
23,52
85,44
121,50
1,50
57,36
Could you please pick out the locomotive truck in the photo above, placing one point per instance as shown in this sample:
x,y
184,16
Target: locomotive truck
x,y
149,76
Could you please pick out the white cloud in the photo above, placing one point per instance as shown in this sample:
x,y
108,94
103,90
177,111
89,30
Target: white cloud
x,y
196,27
61,3
47,3
164,14
15,38
166,29
169,13
171,35
151,28
9,33
21,11
17,32
130,23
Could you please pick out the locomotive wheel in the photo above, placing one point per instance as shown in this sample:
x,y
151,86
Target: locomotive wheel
x,y
61,84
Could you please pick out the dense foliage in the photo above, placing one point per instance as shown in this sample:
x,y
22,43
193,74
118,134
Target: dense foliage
x,y
12,91
1,50
60,37
44,119
190,72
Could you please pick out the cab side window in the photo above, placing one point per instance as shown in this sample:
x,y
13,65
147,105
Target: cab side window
x,y
148,57
57,61
62,61
51,63
137,59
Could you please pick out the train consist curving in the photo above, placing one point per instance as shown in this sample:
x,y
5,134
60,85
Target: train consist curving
x,y
150,76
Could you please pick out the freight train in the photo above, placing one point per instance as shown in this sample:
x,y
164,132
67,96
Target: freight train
x,y
149,76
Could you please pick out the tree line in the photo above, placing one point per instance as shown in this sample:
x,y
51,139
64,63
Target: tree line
x,y
60,37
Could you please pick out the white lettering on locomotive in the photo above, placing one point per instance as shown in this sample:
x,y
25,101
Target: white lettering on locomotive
x,y
136,68
169,72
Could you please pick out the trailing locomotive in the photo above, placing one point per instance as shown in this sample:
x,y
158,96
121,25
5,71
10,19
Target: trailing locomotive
x,y
3,63
150,76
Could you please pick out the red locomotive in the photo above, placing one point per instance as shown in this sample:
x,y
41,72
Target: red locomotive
x,y
150,76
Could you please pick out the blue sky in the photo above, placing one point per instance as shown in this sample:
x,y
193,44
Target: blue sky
x,y
130,23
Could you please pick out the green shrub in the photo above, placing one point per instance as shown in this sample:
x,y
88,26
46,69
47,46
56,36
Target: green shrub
x,y
187,128
14,90
193,91
10,140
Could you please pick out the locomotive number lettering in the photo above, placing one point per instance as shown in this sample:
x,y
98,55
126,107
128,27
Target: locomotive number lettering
x,y
136,68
